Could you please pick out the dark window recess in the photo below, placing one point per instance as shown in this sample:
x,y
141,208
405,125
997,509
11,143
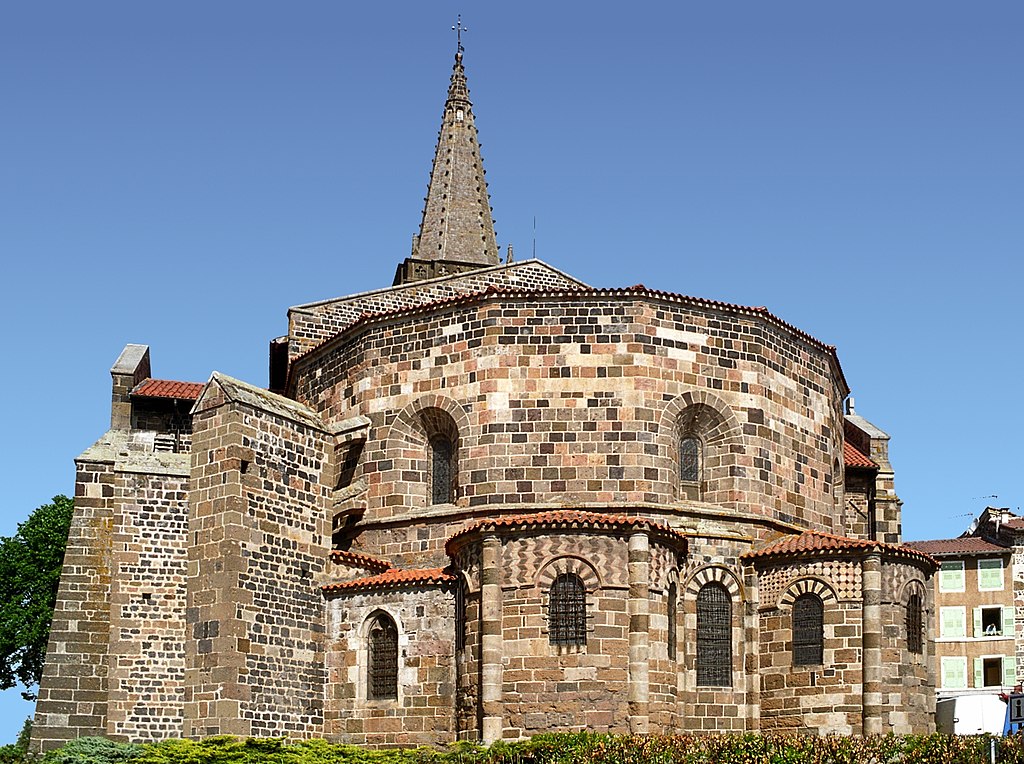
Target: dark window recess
x,y
689,460
567,611
673,616
808,630
915,625
460,616
440,470
714,636
382,667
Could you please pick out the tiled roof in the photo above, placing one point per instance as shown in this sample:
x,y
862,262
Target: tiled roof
x,y
566,518
1016,523
166,388
393,578
507,292
812,543
968,545
853,457
357,560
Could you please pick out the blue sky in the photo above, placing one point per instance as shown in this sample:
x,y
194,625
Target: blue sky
x,y
179,174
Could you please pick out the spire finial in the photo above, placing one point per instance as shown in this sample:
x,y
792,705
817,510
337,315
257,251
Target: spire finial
x,y
459,29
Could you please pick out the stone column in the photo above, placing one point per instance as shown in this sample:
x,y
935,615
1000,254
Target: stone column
x,y
751,653
872,642
638,609
490,641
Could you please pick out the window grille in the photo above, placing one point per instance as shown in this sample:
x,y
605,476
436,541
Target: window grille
x,y
460,616
383,659
808,630
673,616
689,460
567,611
714,636
440,470
915,625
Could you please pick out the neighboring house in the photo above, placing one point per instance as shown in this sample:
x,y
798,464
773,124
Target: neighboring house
x,y
975,636
485,502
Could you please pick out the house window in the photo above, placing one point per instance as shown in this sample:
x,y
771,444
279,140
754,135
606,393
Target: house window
x,y
951,622
714,636
915,625
382,663
808,630
993,621
440,470
990,575
954,673
951,577
673,616
567,611
995,671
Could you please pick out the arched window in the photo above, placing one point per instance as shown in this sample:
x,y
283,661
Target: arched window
x,y
714,636
440,470
567,611
808,630
915,624
382,661
673,617
689,460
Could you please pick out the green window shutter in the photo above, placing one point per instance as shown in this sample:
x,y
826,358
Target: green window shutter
x,y
1008,628
951,577
978,628
1009,671
979,672
990,575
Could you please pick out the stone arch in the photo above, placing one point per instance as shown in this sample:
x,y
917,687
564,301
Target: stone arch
x,y
807,585
556,565
709,425
714,573
429,426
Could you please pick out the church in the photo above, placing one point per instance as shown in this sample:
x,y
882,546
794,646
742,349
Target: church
x,y
485,502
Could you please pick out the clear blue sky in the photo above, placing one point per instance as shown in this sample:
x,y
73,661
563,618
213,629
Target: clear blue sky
x,y
178,174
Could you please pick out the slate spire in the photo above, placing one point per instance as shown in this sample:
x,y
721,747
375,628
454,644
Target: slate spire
x,y
457,230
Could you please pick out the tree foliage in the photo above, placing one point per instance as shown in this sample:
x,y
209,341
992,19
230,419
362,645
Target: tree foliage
x,y
30,563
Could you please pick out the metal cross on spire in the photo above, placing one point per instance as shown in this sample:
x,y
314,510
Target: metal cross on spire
x,y
459,29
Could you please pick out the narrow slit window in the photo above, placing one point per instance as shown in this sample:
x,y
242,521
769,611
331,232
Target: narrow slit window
x,y
567,611
440,470
673,616
382,666
714,636
915,625
808,630
460,616
689,460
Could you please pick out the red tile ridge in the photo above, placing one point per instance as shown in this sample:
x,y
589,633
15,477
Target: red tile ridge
x,y
513,292
563,518
359,560
818,541
393,578
168,388
854,457
965,545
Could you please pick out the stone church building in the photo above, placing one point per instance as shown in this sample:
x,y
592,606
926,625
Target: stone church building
x,y
485,502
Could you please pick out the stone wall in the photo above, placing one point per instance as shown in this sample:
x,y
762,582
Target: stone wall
x,y
424,711
254,656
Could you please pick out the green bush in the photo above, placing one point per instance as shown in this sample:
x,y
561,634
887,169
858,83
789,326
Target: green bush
x,y
558,748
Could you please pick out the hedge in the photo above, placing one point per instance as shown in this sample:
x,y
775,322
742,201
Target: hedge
x,y
560,748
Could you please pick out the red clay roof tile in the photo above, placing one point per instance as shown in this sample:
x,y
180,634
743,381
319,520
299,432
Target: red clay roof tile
x,y
815,543
166,388
357,560
566,518
393,578
968,545
853,457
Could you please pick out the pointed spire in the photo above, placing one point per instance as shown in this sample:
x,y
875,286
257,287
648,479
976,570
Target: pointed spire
x,y
457,230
